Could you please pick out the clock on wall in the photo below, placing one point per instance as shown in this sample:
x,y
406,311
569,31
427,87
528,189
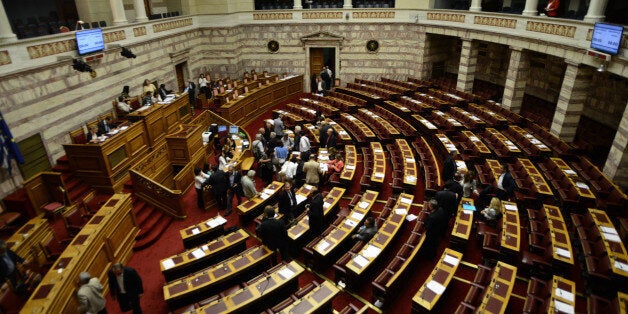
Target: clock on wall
x,y
273,46
372,46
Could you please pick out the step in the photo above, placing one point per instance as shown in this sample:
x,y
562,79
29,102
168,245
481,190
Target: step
x,y
154,235
63,160
148,225
71,183
78,192
61,168
141,215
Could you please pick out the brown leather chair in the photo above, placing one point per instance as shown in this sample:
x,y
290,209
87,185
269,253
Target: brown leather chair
x,y
74,219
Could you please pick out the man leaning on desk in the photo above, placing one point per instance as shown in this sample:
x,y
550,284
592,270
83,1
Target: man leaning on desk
x,y
105,126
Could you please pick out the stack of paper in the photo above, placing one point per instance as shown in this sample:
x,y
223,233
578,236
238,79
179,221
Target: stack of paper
x,y
411,217
326,205
436,287
371,251
300,198
350,167
451,260
510,207
406,200
168,263
286,272
357,216
198,253
351,223
360,260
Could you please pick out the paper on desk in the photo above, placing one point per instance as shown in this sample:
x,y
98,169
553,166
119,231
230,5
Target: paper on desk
x,y
196,231
510,207
610,230
204,247
620,265
563,307
326,205
411,217
357,216
268,191
535,141
451,260
324,167
569,171
563,252
567,295
512,147
440,113
212,223
582,185
351,223
409,159
168,263
300,198
264,196
371,251
378,174
468,212
221,220
198,253
360,260
350,167
363,204
342,132
474,139
436,287
406,201
286,272
323,245
611,237
403,108
430,125
400,211
378,150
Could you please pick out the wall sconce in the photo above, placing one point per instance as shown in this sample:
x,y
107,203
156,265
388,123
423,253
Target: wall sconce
x,y
603,66
127,53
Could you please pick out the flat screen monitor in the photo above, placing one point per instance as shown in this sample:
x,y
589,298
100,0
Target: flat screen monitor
x,y
606,37
233,129
222,128
89,41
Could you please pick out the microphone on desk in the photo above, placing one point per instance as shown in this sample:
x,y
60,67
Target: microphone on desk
x,y
266,286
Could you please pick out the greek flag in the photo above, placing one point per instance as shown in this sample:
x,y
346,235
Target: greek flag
x,y
8,147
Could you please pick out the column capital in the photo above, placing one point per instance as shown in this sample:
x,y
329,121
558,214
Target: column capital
x,y
572,62
515,48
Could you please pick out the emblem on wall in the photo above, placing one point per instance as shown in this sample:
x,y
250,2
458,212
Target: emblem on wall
x,y
273,46
372,46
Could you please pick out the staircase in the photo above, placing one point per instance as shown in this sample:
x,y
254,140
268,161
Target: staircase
x,y
74,186
151,221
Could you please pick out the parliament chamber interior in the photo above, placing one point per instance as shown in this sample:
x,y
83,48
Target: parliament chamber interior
x,y
482,143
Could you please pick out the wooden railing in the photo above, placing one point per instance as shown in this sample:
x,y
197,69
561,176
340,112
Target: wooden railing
x,y
170,201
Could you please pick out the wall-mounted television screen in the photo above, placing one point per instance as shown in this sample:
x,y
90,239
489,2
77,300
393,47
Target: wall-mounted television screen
x,y
90,40
606,37
222,128
233,129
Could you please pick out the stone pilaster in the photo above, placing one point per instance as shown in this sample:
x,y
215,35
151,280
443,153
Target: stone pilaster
x,y
476,5
140,11
573,92
595,13
516,79
425,63
530,8
616,166
297,5
348,4
466,70
6,34
117,10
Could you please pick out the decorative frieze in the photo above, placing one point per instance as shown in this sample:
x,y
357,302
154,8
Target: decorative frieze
x,y
495,21
321,15
49,49
448,17
166,26
4,57
373,15
139,31
114,36
272,16
551,29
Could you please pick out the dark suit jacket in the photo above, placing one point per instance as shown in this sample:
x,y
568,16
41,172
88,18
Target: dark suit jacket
x,y
90,136
237,183
4,267
437,222
132,282
331,141
509,185
316,215
284,201
102,127
273,233
448,201
455,187
449,168
219,181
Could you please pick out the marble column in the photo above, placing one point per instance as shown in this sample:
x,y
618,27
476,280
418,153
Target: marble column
x,y
140,11
117,10
516,79
573,92
476,5
347,4
530,8
616,166
297,5
468,61
6,33
595,13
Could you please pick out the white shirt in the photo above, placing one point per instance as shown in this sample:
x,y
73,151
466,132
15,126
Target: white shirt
x,y
202,82
500,181
304,144
120,280
289,168
124,106
200,179
222,162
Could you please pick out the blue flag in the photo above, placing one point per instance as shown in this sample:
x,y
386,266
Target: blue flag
x,y
8,147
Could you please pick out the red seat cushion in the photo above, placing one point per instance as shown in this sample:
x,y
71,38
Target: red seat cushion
x,y
53,206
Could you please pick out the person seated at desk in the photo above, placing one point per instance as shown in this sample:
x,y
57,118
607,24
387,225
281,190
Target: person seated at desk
x,y
493,210
505,184
163,92
105,126
148,99
273,232
335,165
125,93
92,135
123,106
366,231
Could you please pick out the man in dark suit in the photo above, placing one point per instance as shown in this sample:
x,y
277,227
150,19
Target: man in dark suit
x,y
448,201
235,187
105,126
455,186
273,232
218,181
505,184
449,166
315,213
125,285
287,201
330,140
191,89
435,228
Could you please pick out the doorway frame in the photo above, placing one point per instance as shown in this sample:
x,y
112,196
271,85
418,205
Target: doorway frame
x,y
321,40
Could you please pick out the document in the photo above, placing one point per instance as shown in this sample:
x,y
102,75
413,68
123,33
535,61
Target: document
x,y
168,263
409,159
357,216
350,167
563,252
401,211
411,217
326,205
451,260
611,237
510,207
351,223
360,260
264,196
196,231
300,198
621,266
371,251
286,272
379,174
436,287
563,307
364,204
322,246
569,172
198,253
610,230
582,185
470,207
406,201
565,294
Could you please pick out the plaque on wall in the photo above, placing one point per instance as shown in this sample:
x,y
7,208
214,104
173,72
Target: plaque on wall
x,y
273,46
372,46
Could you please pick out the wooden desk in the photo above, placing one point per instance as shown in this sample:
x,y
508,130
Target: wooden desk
x,y
500,139
282,278
25,242
493,118
316,301
511,227
342,134
495,167
302,111
583,189
303,224
472,121
539,147
324,107
358,126
371,98
540,185
436,283
562,250
398,108
410,173
424,125
384,125
416,105
497,293
447,145
562,295
384,93
379,163
463,224
312,132
246,109
162,118
351,161
211,280
435,102
291,117
333,239
202,232
446,122
386,233
197,258
478,146
255,204
614,247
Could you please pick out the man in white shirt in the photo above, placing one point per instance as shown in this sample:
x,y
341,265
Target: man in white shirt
x,y
123,106
304,144
199,179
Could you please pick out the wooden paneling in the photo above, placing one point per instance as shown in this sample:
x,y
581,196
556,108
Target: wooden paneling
x,y
35,156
